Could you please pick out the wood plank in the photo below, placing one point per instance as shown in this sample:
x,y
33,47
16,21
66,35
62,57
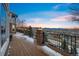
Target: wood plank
x,y
20,47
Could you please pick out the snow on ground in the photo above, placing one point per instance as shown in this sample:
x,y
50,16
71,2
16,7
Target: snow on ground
x,y
54,42
49,51
46,49
21,35
18,34
78,51
28,38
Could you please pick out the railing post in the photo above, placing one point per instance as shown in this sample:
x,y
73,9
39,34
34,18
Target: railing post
x,y
71,44
75,46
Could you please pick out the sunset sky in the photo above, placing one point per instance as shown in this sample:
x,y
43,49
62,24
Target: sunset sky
x,y
52,15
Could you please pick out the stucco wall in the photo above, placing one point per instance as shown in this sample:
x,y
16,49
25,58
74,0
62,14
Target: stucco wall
x,y
4,48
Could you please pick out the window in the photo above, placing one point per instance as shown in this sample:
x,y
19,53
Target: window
x,y
2,24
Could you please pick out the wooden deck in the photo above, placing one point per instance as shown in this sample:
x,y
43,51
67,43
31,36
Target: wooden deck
x,y
20,47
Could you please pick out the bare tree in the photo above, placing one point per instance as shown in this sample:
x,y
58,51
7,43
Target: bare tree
x,y
23,21
20,22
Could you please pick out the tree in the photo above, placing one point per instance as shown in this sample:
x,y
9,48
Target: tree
x,y
64,45
26,32
74,51
74,10
30,32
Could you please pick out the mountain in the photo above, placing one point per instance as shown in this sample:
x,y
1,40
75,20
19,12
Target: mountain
x,y
54,28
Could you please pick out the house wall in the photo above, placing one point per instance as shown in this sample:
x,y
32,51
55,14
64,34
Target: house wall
x,y
4,37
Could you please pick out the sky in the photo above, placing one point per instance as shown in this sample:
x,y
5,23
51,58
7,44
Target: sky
x,y
45,15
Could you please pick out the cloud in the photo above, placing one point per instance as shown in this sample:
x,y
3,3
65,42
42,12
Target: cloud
x,y
49,19
63,18
56,6
42,14
59,6
36,20
52,25
75,19
58,22
45,25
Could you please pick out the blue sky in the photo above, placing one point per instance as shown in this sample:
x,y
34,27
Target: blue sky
x,y
53,14
21,8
